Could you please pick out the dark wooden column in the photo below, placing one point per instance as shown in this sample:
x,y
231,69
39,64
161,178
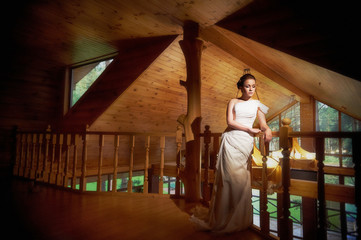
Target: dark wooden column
x,y
192,49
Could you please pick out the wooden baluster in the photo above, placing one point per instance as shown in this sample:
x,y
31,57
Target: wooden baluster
x,y
51,173
215,151
39,156
178,140
45,172
115,167
146,164
27,155
84,160
100,163
206,187
59,173
356,158
75,160
131,163
18,153
33,156
22,153
320,156
264,218
285,143
162,147
66,167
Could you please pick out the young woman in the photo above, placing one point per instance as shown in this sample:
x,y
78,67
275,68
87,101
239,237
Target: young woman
x,y
231,204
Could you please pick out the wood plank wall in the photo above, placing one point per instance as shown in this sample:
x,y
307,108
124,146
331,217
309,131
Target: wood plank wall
x,y
31,102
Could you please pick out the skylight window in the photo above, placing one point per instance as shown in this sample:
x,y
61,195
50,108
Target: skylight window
x,y
84,76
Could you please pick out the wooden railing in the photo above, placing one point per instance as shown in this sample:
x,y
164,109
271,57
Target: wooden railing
x,y
54,157
308,189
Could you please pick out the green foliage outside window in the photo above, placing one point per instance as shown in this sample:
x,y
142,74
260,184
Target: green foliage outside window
x,y
82,85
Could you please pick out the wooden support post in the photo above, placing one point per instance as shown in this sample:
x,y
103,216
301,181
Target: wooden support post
x,y
206,187
179,140
100,162
59,174
75,160
115,162
285,143
83,161
131,163
320,156
264,214
192,49
162,147
146,164
356,158
66,167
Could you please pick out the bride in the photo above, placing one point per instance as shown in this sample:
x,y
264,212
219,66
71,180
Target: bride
x,y
231,204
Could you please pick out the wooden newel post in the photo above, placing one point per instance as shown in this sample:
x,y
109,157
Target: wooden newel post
x,y
285,144
192,49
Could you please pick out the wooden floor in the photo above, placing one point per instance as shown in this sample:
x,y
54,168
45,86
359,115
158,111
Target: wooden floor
x,y
44,212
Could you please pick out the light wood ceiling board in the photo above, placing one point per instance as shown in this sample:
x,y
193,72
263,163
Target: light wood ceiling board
x,y
221,38
334,89
205,13
154,101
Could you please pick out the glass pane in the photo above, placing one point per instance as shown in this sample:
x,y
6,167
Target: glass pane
x,y
347,162
255,204
346,146
274,144
83,77
327,118
296,215
331,145
349,124
333,179
274,125
293,113
332,161
333,216
350,181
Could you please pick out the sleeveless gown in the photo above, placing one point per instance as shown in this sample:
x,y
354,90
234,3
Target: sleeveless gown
x,y
231,204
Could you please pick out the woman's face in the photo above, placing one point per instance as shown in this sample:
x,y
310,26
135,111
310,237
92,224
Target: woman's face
x,y
249,87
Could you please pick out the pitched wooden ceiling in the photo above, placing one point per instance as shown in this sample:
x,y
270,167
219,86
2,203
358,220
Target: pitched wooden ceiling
x,y
291,56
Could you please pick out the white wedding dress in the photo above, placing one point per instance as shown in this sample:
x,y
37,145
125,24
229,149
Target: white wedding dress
x,y
231,203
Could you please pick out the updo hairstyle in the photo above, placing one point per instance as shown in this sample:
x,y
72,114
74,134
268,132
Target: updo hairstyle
x,y
243,79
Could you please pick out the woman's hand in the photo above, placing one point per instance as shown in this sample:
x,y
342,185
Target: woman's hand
x,y
268,135
254,130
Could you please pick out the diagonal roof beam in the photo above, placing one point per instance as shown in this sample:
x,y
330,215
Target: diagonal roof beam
x,y
137,55
213,35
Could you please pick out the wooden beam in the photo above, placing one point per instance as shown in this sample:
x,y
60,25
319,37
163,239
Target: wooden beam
x,y
216,36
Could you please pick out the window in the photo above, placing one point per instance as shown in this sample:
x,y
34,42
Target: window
x,y
338,153
84,76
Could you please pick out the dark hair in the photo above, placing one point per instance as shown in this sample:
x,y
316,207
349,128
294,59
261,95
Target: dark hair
x,y
243,79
